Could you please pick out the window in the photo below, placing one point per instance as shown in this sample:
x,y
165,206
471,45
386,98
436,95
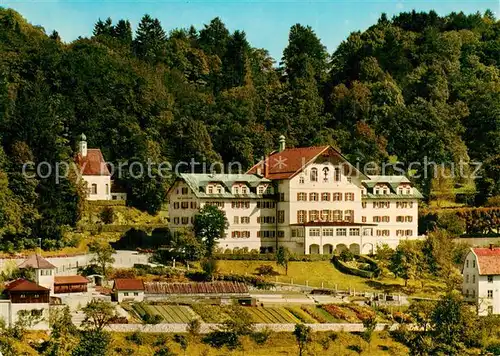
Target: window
x,y
386,219
363,219
260,190
466,278
236,190
301,216
349,196
176,221
409,232
266,219
301,180
342,232
219,189
377,219
314,175
467,293
409,218
490,294
184,191
281,233
490,279
136,294
324,215
325,196
107,189
473,278
313,196
354,231
281,216
297,233
94,188
236,220
245,220
185,220
184,205
400,218
337,215
473,263
467,264
210,189
386,191
302,196
281,196
349,215
314,232
326,173
473,293
313,215
328,232
266,205
337,174
240,204
244,190
337,196
363,205
125,294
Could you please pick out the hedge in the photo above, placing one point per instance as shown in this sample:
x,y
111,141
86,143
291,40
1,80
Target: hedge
x,y
119,228
107,202
342,267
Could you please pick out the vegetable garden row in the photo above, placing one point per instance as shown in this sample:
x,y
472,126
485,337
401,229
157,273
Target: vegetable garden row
x,y
309,314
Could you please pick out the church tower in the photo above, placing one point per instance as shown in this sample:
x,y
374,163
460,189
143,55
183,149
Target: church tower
x,y
82,146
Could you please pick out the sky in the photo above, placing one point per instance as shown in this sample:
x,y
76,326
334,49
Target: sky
x,y
266,23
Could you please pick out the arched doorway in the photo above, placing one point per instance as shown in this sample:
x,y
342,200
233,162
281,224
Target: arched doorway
x,y
314,249
340,248
327,249
354,248
367,249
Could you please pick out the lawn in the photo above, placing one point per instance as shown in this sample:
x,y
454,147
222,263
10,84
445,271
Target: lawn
x,y
322,274
169,313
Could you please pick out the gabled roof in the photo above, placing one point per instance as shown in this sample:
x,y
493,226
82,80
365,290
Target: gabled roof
x,y
393,182
93,164
128,284
37,262
220,287
23,285
488,260
198,183
70,280
291,161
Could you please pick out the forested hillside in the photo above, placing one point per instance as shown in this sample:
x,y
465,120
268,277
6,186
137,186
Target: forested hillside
x,y
414,86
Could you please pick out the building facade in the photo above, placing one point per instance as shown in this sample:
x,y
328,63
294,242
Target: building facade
x,y
481,279
311,200
95,173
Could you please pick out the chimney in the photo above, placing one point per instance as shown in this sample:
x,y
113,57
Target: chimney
x,y
491,246
82,146
282,141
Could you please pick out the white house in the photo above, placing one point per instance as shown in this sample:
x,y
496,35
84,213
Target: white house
x,y
128,289
311,200
95,173
481,279
44,271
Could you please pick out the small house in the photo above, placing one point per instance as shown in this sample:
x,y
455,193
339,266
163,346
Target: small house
x,y
128,289
70,284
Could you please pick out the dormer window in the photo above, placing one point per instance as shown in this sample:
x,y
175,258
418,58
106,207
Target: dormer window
x,y
244,190
400,190
377,191
219,189
408,190
210,189
236,190
386,191
314,174
260,190
269,190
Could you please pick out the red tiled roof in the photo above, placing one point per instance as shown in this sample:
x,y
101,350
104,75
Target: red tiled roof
x,y
70,280
23,285
196,288
488,260
93,164
284,164
128,284
36,262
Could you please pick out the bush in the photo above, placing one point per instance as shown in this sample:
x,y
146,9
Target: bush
x,y
337,312
346,256
266,270
218,339
136,337
261,337
152,319
341,266
193,327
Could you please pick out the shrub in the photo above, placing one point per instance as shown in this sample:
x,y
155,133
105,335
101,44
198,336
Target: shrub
x,y
136,337
193,327
261,337
346,256
362,313
337,312
341,266
219,339
402,318
356,348
152,319
107,215
266,270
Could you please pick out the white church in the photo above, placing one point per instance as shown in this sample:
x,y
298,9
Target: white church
x,y
311,200
95,173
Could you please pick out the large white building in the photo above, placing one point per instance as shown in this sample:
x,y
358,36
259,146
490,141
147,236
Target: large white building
x,y
311,200
95,173
481,279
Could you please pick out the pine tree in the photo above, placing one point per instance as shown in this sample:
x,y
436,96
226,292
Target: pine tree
x,y
123,31
150,40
